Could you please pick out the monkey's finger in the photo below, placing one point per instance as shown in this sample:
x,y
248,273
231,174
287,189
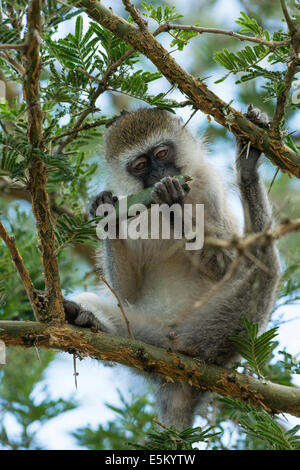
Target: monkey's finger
x,y
180,190
106,197
162,191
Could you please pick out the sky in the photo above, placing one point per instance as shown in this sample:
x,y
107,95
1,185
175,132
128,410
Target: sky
x,y
98,384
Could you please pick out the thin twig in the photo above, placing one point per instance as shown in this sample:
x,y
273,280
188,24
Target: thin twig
x,y
17,47
120,306
229,273
270,44
288,19
84,127
156,421
256,261
23,272
273,179
292,69
18,67
75,371
263,238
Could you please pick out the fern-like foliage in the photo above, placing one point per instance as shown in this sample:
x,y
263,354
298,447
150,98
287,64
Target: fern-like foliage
x,y
70,230
258,424
14,155
250,25
256,349
56,13
243,60
172,439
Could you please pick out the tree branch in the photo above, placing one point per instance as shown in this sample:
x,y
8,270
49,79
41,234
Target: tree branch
x,y
23,272
38,171
89,125
17,47
10,60
194,88
288,19
146,358
165,27
292,69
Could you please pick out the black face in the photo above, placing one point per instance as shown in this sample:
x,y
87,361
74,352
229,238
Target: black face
x,y
152,166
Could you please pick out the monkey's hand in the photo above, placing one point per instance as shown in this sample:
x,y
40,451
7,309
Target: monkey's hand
x,y
169,191
79,317
105,197
247,155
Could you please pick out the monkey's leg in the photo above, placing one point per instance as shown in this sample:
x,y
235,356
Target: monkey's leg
x,y
257,209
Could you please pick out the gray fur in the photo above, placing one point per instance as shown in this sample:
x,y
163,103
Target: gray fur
x,y
159,282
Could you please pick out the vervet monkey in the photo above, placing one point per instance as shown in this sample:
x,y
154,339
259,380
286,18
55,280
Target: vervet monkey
x,y
158,281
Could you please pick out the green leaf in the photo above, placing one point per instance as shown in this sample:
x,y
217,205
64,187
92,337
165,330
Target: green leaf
x,y
255,349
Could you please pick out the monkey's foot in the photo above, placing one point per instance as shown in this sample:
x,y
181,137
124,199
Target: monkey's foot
x,y
247,154
77,316
259,118
169,191
105,197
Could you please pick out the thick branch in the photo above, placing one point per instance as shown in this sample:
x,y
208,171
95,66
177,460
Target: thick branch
x,y
146,358
38,171
195,89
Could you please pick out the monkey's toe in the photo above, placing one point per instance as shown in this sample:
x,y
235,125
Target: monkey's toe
x,y
87,319
76,316
71,310
259,118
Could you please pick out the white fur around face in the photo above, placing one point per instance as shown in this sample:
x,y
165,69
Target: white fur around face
x,y
189,154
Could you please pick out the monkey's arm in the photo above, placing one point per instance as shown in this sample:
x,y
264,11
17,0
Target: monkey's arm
x,y
257,210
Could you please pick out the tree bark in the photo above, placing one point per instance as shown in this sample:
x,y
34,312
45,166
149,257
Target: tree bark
x,y
145,358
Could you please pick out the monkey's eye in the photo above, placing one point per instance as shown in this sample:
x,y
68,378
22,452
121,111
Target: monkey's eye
x,y
161,152
139,165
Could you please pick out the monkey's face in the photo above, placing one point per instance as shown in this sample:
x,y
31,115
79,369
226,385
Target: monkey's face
x,y
146,145
153,165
